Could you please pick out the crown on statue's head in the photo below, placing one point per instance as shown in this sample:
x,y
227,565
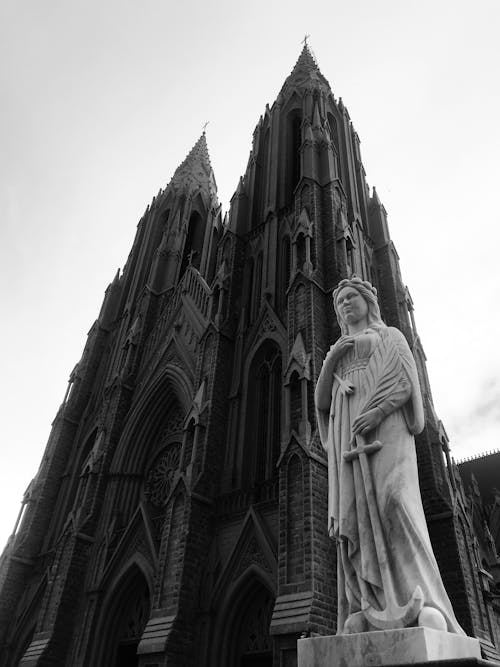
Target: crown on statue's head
x,y
355,281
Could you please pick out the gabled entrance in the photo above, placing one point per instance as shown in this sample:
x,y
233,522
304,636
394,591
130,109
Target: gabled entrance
x,y
252,642
244,622
123,621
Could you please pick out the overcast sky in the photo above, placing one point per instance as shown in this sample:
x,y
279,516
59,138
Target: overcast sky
x,y
100,101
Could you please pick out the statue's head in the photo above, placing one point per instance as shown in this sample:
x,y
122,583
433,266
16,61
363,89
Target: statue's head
x,y
369,294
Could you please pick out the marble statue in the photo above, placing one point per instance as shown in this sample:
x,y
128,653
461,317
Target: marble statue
x,y
369,407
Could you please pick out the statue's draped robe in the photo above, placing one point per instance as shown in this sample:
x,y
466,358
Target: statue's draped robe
x,y
382,370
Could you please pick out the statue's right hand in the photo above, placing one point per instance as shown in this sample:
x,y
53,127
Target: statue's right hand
x,y
337,350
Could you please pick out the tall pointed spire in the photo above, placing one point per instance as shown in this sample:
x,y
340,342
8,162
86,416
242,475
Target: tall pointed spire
x,y
196,168
305,62
305,70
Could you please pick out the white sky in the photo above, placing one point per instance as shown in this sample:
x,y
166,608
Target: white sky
x,y
100,101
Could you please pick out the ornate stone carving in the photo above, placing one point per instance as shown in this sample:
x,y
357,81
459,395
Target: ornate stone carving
x,y
267,325
252,556
161,475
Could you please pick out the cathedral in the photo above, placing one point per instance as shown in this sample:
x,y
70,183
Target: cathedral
x,y
179,514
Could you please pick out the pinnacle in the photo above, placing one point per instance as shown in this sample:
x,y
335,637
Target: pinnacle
x,y
305,61
116,279
199,153
375,196
195,165
306,68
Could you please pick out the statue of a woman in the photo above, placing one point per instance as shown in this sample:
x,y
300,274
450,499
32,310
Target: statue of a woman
x,y
369,407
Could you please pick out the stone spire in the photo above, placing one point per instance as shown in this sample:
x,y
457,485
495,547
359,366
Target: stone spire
x,y
195,170
305,62
306,70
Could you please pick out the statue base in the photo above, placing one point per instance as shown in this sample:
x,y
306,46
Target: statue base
x,y
408,646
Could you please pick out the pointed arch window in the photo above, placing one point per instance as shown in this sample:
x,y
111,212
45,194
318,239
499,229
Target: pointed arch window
x,y
193,246
260,190
257,289
213,255
295,401
284,275
294,142
249,289
351,262
215,301
264,414
334,131
301,252
164,219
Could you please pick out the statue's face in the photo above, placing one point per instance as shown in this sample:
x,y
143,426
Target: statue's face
x,y
351,305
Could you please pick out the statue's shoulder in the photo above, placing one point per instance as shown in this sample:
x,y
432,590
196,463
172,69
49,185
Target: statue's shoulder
x,y
386,333
393,332
398,338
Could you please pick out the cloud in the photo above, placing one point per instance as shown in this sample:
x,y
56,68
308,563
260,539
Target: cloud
x,y
475,426
487,404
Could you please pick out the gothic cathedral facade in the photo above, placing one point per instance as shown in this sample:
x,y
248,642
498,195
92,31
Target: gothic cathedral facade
x,y
178,517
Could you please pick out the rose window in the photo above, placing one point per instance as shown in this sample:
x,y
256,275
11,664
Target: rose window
x,y
161,475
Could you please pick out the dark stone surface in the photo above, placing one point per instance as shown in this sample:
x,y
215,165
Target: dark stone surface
x,y
228,537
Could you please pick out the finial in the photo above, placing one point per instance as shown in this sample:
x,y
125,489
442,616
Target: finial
x,y
205,126
191,254
304,41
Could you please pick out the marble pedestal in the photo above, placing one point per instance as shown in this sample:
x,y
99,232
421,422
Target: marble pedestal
x,y
408,646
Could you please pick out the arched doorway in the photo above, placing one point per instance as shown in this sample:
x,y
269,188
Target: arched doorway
x,y
124,620
249,641
263,417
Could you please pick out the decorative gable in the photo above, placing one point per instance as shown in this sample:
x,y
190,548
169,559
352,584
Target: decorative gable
x,y
252,548
303,225
267,325
299,360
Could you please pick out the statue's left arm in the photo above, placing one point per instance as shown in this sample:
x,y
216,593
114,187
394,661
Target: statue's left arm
x,y
413,409
396,385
